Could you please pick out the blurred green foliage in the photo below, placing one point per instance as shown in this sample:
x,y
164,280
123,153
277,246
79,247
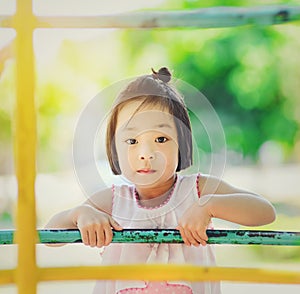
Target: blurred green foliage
x,y
249,74
242,71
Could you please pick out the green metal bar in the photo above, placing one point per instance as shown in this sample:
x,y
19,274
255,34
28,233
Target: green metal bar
x,y
211,17
238,237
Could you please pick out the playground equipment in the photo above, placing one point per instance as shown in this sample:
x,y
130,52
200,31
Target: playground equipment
x,y
237,237
28,274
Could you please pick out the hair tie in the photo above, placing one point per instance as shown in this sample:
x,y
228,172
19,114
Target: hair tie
x,y
163,74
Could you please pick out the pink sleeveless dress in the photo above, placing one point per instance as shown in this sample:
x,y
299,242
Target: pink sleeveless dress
x,y
130,214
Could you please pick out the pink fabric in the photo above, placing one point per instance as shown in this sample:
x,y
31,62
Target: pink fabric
x,y
159,287
128,212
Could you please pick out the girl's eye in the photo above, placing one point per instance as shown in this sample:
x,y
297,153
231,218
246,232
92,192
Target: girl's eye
x,y
161,140
131,141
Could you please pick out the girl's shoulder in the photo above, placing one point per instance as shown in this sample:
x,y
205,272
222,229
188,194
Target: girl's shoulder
x,y
209,184
102,200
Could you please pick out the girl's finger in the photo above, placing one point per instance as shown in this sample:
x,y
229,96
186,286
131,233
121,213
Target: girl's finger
x,y
84,237
199,238
100,237
204,236
115,225
191,238
108,235
183,236
92,238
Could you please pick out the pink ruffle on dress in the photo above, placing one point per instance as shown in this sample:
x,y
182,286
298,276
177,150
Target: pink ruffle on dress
x,y
159,287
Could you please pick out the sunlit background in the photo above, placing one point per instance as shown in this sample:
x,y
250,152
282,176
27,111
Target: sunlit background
x,y
249,74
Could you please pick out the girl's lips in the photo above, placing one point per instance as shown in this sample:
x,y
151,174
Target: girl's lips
x,y
146,171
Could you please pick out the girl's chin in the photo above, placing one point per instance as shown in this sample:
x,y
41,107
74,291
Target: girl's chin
x,y
145,179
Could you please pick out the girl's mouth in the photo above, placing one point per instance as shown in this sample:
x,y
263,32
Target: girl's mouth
x,y
146,171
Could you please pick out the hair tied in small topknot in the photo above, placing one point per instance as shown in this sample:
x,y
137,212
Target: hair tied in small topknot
x,y
163,74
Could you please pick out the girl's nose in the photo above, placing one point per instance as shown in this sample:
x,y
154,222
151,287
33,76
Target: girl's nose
x,y
146,152
146,157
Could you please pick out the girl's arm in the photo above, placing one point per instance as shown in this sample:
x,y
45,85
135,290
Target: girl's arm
x,y
92,218
233,204
222,200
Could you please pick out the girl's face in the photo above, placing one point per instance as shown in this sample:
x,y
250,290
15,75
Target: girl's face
x,y
146,143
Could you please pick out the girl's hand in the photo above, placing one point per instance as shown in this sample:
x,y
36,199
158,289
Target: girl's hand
x,y
95,226
194,223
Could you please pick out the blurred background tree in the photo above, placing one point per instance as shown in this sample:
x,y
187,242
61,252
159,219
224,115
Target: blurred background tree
x,y
249,74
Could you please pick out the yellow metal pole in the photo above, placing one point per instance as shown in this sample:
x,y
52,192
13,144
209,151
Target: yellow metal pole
x,y
159,272
7,276
25,149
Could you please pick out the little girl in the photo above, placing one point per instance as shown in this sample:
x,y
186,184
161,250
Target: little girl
x,y
149,142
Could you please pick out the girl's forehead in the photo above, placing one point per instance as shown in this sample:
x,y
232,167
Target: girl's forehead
x,y
130,117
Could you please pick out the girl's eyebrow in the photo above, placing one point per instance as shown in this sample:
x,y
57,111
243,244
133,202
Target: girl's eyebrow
x,y
160,126
163,125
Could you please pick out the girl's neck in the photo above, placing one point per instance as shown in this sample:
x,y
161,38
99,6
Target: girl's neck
x,y
147,193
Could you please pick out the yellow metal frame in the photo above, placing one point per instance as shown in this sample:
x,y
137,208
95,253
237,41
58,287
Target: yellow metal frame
x,y
28,274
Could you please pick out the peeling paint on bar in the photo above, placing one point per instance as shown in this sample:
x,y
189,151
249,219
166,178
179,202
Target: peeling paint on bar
x,y
237,237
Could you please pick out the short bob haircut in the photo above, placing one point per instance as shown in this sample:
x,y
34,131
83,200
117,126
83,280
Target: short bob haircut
x,y
153,90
